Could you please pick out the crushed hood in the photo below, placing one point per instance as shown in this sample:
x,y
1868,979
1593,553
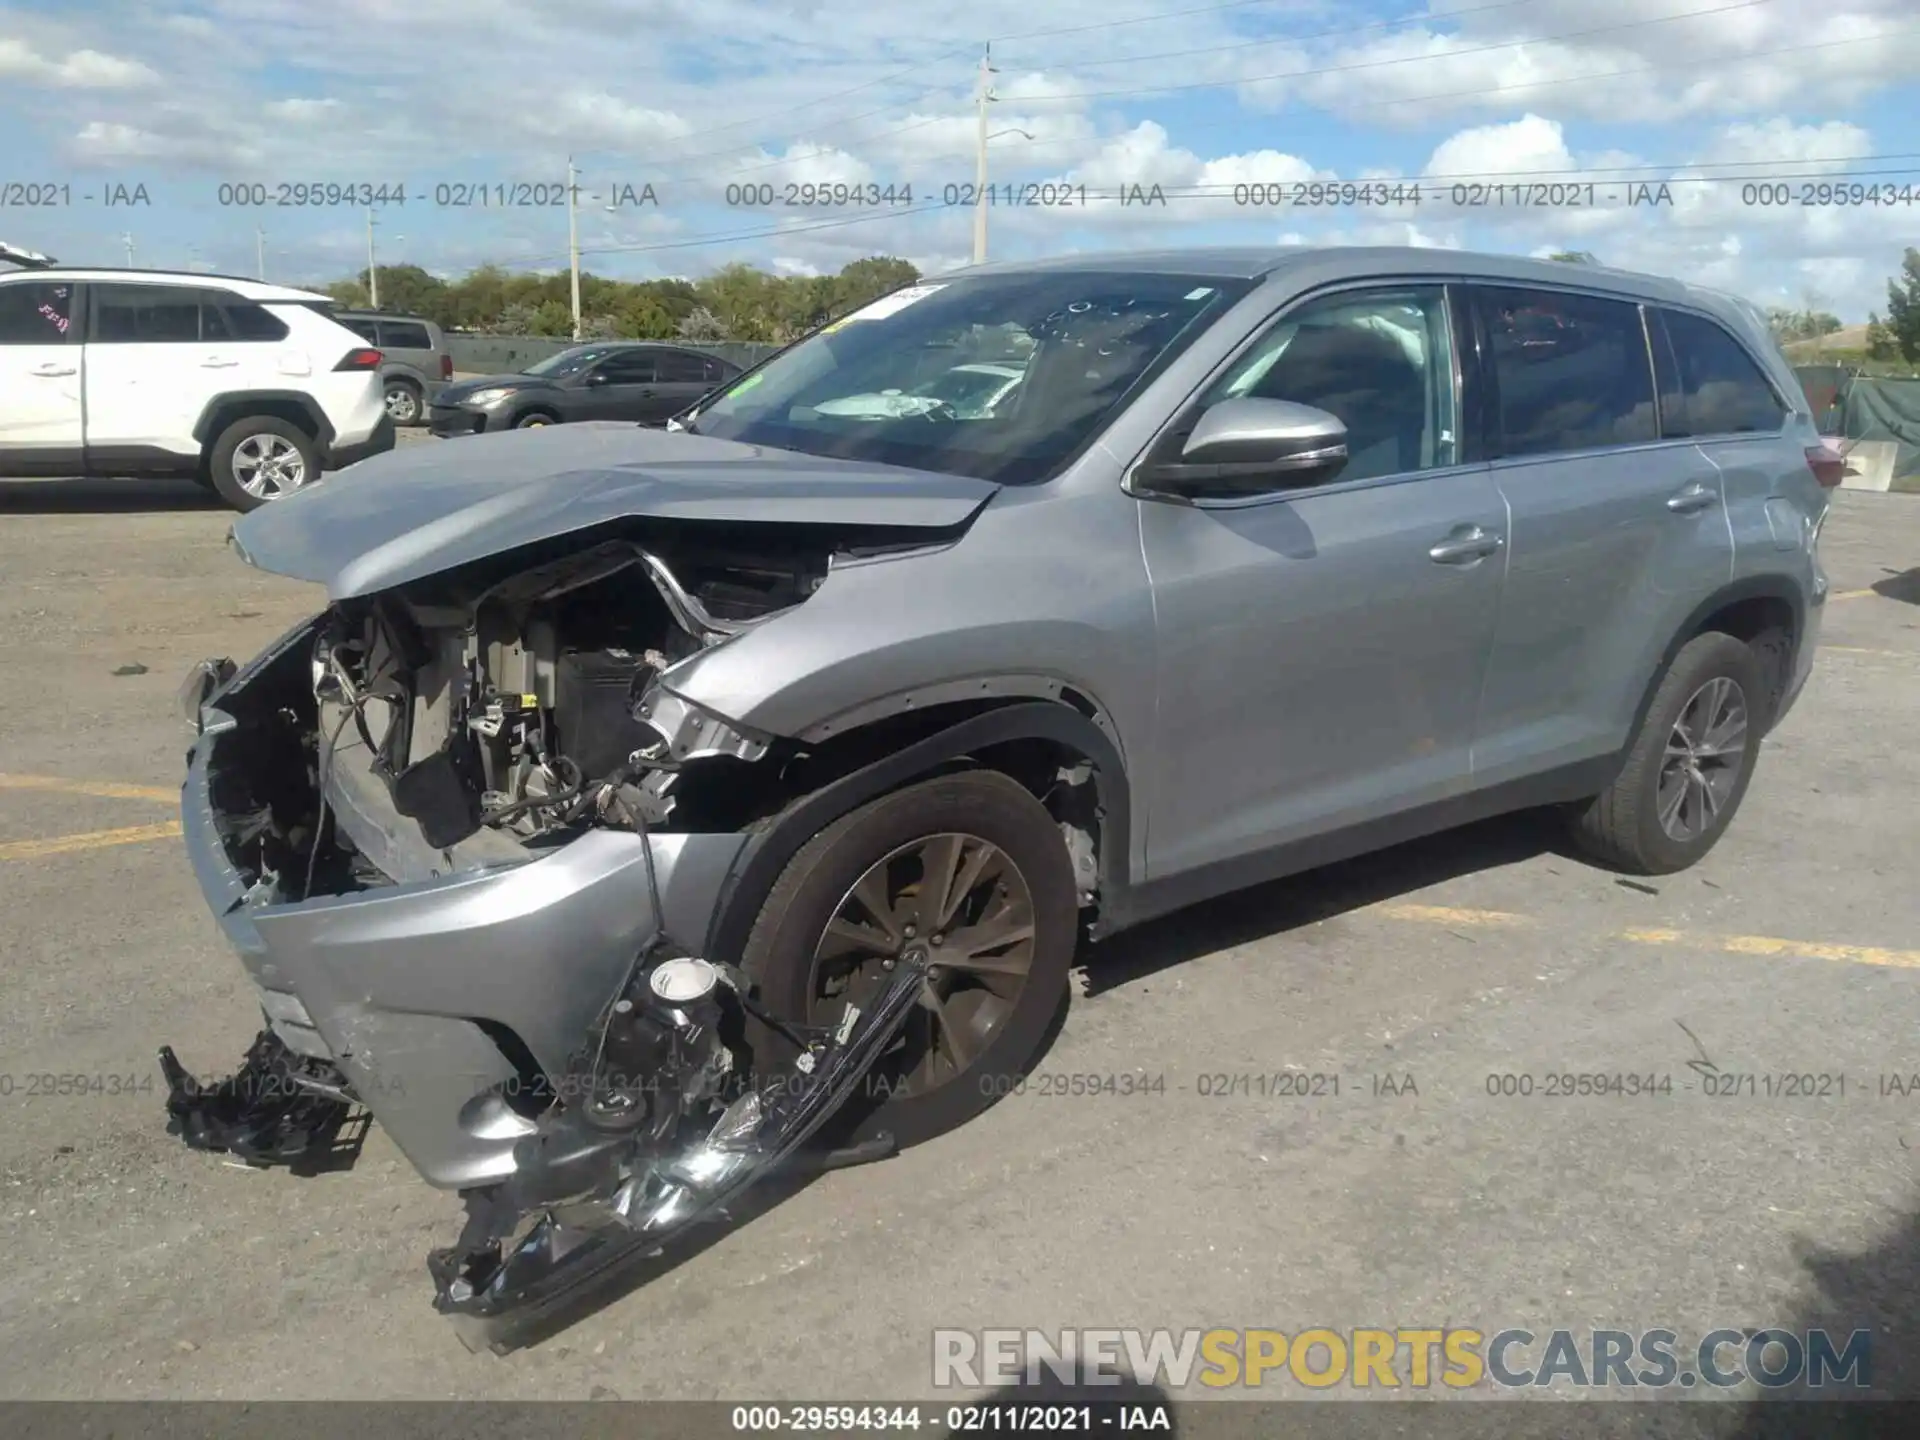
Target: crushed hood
x,y
428,508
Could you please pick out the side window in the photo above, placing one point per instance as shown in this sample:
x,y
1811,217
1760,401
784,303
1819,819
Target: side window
x,y
145,315
628,367
401,335
680,368
1381,360
246,320
1570,372
1722,391
35,313
363,328
713,371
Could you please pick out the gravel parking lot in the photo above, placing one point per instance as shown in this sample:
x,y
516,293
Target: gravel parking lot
x,y
140,1269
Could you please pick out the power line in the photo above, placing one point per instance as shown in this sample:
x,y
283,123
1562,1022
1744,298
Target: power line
x,y
1684,63
1245,80
1334,33
1394,60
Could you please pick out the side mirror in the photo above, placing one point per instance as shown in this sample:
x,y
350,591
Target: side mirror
x,y
1245,446
597,377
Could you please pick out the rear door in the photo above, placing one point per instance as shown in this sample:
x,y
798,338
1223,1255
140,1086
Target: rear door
x,y
623,386
41,376
150,372
1618,532
408,343
683,378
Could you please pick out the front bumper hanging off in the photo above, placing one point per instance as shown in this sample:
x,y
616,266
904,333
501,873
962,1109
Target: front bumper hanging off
x,y
489,1276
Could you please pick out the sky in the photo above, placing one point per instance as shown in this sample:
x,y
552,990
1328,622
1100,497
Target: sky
x,y
1732,143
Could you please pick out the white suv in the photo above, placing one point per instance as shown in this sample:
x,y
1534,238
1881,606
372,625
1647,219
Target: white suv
x,y
251,389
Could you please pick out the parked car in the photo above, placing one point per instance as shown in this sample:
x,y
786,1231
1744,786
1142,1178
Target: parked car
x,y
251,389
416,366
630,380
643,803
971,390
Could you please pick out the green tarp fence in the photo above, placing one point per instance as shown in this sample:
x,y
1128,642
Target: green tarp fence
x,y
1861,407
1885,410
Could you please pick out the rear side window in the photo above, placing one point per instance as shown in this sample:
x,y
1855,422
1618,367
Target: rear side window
x,y
1570,372
145,314
35,313
225,316
400,335
1715,387
363,328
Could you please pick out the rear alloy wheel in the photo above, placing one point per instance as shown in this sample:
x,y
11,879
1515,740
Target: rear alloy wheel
x,y
1689,765
261,458
403,403
965,875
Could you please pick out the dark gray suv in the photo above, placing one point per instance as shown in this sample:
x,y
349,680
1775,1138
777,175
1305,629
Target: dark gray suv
x,y
415,365
634,380
643,799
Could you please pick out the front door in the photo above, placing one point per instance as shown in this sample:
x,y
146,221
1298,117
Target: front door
x,y
41,375
622,386
1320,651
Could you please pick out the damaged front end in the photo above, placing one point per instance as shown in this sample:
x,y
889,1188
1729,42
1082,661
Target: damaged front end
x,y
469,843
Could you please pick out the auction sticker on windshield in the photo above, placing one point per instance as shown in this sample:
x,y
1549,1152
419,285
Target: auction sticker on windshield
x,y
892,304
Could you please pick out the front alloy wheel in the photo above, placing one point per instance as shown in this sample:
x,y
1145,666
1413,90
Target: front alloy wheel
x,y
966,875
956,904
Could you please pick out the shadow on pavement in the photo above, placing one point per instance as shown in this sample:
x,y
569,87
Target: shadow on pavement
x,y
1301,900
1899,585
103,497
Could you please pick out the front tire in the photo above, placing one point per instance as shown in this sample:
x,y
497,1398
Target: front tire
x,y
1689,764
533,420
967,870
261,458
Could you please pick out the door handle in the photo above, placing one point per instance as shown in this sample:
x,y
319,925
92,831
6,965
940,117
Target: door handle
x,y
1694,497
1464,546
51,371
217,362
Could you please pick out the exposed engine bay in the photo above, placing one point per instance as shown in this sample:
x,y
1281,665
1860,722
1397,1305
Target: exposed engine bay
x,y
483,720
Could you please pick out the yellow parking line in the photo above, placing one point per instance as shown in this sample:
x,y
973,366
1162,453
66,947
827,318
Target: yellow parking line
x,y
1448,915
1851,594
93,840
107,789
1858,650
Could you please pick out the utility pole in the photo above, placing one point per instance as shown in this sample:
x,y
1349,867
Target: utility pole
x,y
373,274
127,240
981,102
260,251
573,240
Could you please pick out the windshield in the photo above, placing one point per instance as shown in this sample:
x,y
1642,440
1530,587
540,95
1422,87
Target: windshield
x,y
567,362
1084,340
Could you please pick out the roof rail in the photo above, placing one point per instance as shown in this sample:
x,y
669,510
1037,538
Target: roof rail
x,y
26,259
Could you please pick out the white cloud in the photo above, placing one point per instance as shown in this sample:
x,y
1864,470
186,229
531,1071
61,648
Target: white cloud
x,y
77,70
1530,144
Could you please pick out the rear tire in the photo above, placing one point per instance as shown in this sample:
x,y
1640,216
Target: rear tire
x,y
1689,765
260,458
986,833
404,402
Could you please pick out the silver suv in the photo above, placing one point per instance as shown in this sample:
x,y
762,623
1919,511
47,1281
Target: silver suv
x,y
687,796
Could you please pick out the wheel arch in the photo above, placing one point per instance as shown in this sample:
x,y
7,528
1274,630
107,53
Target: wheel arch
x,y
1029,739
294,406
1743,609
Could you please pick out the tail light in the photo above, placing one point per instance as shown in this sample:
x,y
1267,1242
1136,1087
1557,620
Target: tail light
x,y
361,360
1828,465
446,367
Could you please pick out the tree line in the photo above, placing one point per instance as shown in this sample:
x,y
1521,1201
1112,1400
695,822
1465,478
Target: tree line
x,y
737,302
